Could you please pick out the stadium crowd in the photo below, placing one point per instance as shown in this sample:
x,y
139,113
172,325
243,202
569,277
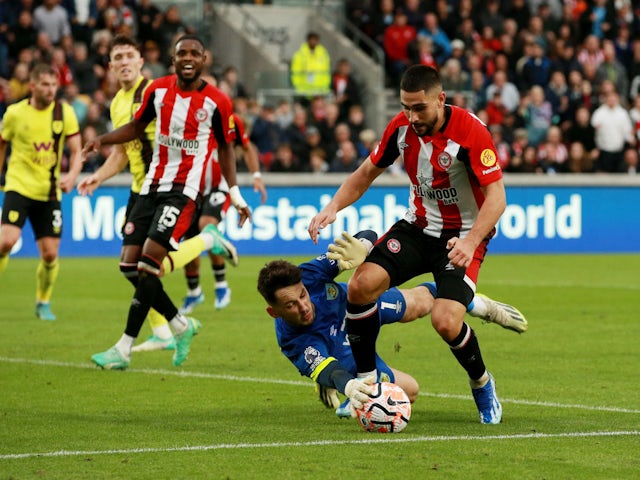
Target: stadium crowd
x,y
557,82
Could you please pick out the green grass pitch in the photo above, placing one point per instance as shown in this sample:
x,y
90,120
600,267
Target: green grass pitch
x,y
237,409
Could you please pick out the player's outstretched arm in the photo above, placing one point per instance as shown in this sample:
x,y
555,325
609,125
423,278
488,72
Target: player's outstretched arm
x,y
351,251
350,191
113,165
68,181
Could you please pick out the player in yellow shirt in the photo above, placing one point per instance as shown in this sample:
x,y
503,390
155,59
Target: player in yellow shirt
x,y
37,128
126,64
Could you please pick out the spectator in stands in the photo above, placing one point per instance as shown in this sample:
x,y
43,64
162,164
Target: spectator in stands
x,y
537,113
397,38
590,54
346,90
478,89
612,69
265,135
284,114
21,35
447,19
313,141
421,52
503,149
552,153
490,16
414,10
367,141
82,66
328,125
495,110
441,43
579,160
83,16
458,52
95,118
153,66
318,161
634,113
382,19
311,68
149,18
557,92
19,83
509,93
356,121
172,27
285,160
598,19
537,69
565,60
614,131
346,159
235,86
294,135
123,18
53,20
526,162
631,165
79,102
59,62
582,131
519,11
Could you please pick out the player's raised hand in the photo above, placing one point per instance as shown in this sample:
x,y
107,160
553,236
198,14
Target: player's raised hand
x,y
88,185
348,251
321,220
92,146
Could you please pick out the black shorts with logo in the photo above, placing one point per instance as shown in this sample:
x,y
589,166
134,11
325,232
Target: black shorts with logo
x,y
405,252
162,217
45,216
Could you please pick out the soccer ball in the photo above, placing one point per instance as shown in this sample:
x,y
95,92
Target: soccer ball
x,y
387,411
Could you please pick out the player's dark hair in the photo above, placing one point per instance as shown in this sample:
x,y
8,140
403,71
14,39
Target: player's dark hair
x,y
419,78
120,40
275,275
42,69
190,36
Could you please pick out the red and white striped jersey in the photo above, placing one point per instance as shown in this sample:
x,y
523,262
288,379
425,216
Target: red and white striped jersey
x,y
446,170
189,126
214,178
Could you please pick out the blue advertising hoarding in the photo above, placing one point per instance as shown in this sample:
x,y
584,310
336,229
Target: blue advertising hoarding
x,y
538,219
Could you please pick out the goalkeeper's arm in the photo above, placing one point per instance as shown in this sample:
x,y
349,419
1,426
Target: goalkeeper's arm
x,y
334,375
350,251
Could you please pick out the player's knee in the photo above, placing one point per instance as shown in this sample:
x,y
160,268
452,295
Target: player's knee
x,y
130,272
49,255
149,266
445,321
360,292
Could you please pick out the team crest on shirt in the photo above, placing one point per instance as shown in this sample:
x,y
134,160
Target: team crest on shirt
x,y
313,357
201,115
393,245
331,290
14,215
488,157
129,228
56,127
445,160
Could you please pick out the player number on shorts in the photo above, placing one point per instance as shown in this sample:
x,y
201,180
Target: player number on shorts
x,y
169,216
56,222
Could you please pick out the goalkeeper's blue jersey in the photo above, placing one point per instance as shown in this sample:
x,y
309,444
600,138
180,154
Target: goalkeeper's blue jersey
x,y
309,347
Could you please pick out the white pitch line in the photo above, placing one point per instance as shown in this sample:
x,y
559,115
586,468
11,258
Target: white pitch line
x,y
298,383
384,439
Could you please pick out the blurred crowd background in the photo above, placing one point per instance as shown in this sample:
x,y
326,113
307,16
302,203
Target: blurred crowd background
x,y
556,81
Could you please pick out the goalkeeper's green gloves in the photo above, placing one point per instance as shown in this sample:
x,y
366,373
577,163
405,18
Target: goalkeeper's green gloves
x,y
328,396
348,251
358,391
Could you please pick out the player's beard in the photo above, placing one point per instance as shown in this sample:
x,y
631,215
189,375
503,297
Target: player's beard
x,y
189,80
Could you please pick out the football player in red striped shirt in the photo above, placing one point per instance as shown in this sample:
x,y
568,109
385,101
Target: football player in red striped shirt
x,y
456,198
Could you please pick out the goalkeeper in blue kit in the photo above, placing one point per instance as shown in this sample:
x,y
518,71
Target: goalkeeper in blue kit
x,y
309,309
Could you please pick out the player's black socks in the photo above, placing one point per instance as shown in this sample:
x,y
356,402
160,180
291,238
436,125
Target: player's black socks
x,y
219,272
363,326
466,349
193,281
